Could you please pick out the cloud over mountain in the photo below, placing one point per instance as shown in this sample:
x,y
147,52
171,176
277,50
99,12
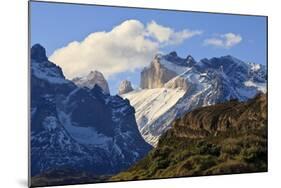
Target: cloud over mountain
x,y
167,35
127,47
227,40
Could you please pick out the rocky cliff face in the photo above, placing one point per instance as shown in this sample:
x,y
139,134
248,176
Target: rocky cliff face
x,y
125,87
220,139
203,83
92,79
156,75
220,118
177,82
76,129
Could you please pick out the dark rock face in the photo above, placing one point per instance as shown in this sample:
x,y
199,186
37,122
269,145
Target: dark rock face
x,y
86,112
174,58
38,53
224,138
78,129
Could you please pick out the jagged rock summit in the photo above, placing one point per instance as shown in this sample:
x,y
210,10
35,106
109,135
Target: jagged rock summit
x,y
125,87
78,129
38,53
92,79
172,86
156,75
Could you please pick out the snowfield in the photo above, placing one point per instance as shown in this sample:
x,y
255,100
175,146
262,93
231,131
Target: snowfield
x,y
150,104
197,84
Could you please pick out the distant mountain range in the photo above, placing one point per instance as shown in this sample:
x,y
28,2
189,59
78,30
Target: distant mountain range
x,y
78,130
172,86
224,138
192,112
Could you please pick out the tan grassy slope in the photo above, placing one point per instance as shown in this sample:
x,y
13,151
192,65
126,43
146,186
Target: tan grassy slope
x,y
220,139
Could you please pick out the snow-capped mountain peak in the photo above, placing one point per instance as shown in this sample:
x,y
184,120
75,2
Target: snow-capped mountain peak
x,y
93,78
78,128
43,69
202,83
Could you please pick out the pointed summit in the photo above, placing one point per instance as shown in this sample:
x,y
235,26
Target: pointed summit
x,y
43,69
173,53
92,79
125,87
93,74
38,53
190,60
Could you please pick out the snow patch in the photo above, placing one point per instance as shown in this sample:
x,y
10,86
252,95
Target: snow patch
x,y
173,67
84,135
260,86
47,73
255,67
150,104
50,123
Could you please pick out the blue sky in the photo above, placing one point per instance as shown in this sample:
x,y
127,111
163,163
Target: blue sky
x,y
55,25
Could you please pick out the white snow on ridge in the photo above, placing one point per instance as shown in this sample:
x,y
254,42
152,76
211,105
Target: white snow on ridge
x,y
260,86
48,74
173,67
255,67
84,135
92,79
150,104
193,87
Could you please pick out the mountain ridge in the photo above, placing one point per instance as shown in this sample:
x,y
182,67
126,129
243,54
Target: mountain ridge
x,y
206,82
92,79
76,128
224,138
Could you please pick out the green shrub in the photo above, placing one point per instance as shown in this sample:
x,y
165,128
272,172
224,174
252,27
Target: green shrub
x,y
206,148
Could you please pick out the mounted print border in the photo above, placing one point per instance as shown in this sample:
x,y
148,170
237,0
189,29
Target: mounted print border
x,y
128,93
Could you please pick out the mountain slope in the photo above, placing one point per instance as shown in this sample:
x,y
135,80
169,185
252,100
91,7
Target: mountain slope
x,y
150,104
224,138
77,129
207,82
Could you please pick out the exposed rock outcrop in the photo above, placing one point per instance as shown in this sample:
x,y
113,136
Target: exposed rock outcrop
x,y
156,75
125,87
221,139
77,130
177,82
204,83
219,118
92,79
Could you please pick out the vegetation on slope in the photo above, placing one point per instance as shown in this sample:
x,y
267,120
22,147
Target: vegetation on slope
x,y
220,139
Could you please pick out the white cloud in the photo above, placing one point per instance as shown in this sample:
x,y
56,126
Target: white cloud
x,y
168,36
232,39
126,47
227,40
161,33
